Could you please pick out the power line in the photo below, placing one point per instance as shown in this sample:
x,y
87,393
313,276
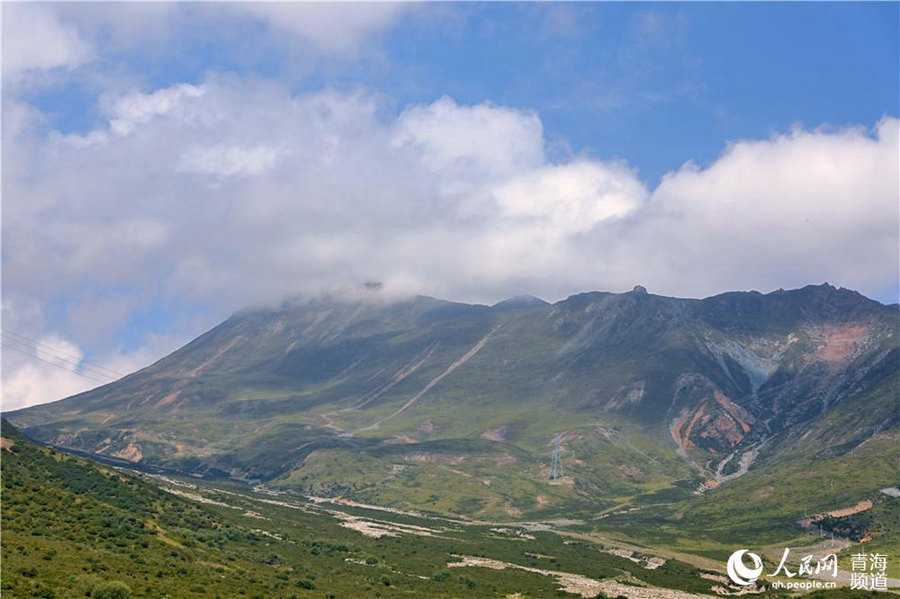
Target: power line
x,y
49,348
61,367
72,365
27,346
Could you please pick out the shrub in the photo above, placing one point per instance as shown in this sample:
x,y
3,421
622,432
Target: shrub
x,y
111,589
467,581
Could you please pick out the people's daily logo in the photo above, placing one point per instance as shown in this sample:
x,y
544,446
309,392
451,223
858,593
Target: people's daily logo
x,y
809,572
738,571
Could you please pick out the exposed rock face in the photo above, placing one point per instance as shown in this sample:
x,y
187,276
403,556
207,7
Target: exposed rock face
x,y
627,395
132,453
708,419
837,344
495,434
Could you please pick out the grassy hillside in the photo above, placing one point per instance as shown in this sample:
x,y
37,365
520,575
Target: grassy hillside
x,y
73,528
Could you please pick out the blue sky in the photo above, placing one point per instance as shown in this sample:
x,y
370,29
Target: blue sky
x,y
655,83
166,164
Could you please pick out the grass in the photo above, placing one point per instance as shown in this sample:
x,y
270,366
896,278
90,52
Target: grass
x,y
72,527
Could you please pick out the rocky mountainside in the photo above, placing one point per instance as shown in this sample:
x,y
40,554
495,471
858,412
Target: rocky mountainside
x,y
452,407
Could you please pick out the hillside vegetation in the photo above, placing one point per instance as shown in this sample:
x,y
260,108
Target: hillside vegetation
x,y
74,528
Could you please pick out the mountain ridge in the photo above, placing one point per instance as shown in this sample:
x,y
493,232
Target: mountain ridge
x,y
381,400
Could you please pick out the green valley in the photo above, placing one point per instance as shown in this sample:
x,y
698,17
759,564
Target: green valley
x,y
73,528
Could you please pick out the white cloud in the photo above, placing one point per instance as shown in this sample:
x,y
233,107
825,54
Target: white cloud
x,y
464,141
121,25
574,197
42,36
128,111
324,190
35,383
335,27
233,192
805,206
228,161
35,39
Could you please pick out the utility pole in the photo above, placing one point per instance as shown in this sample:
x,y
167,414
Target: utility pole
x,y
556,471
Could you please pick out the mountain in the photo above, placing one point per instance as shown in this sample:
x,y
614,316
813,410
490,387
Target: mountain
x,y
452,408
520,301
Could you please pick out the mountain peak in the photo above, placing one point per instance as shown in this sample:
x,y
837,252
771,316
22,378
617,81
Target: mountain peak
x,y
518,302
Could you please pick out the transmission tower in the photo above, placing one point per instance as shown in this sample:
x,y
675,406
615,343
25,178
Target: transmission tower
x,y
556,471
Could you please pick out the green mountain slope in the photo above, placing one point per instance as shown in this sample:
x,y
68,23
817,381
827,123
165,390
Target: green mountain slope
x,y
451,407
73,528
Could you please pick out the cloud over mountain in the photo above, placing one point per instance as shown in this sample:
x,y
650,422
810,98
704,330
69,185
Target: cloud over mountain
x,y
330,188
227,189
